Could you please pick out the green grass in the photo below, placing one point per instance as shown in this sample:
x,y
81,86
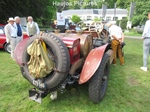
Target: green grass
x,y
128,88
132,33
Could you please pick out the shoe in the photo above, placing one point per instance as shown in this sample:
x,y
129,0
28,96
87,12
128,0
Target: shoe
x,y
122,64
144,68
114,64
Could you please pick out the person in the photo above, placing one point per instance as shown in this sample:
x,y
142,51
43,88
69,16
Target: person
x,y
32,27
19,29
117,38
146,43
11,35
66,26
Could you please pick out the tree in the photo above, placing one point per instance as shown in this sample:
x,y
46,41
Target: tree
x,y
97,19
61,5
109,3
122,23
40,9
75,19
85,4
125,4
140,13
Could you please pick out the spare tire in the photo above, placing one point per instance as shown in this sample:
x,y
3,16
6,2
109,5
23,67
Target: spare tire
x,y
58,51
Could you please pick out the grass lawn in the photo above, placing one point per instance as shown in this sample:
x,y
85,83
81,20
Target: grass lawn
x,y
128,89
132,33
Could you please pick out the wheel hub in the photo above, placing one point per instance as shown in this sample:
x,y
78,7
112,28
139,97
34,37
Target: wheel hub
x,y
104,78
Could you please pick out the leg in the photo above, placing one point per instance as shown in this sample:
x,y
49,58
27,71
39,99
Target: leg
x,y
114,45
12,44
121,57
146,49
19,38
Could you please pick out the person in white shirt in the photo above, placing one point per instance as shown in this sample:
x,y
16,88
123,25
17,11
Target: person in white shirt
x,y
146,43
117,38
32,27
11,35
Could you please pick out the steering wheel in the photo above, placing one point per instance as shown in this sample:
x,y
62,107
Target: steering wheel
x,y
81,25
96,26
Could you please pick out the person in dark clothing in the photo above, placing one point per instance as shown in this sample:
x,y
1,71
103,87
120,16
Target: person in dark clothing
x,y
19,29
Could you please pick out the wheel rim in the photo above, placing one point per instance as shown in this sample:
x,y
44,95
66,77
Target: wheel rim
x,y
8,48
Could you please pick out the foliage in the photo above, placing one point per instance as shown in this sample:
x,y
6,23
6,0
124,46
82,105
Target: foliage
x,y
75,19
85,4
128,88
110,3
43,11
61,5
122,23
39,10
140,13
97,19
124,4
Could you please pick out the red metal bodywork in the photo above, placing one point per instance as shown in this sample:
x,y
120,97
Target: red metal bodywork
x,y
2,36
92,63
25,35
19,51
73,45
2,40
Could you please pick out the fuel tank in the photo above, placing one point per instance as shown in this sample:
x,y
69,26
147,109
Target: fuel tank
x,y
86,41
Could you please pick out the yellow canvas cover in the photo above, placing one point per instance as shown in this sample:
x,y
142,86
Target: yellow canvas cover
x,y
39,64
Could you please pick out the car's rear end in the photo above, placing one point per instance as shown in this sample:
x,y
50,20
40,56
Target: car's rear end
x,y
2,37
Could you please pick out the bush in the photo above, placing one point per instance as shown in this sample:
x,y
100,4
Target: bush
x,y
133,30
75,19
122,23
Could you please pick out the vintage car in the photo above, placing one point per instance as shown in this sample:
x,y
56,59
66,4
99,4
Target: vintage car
x,y
3,44
74,56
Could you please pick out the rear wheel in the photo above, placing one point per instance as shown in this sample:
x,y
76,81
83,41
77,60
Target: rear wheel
x,y
7,47
98,83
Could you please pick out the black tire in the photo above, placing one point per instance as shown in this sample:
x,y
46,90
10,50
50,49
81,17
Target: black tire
x,y
7,47
98,83
61,59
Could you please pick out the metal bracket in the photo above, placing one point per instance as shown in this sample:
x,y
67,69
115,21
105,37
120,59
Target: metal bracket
x,y
36,95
